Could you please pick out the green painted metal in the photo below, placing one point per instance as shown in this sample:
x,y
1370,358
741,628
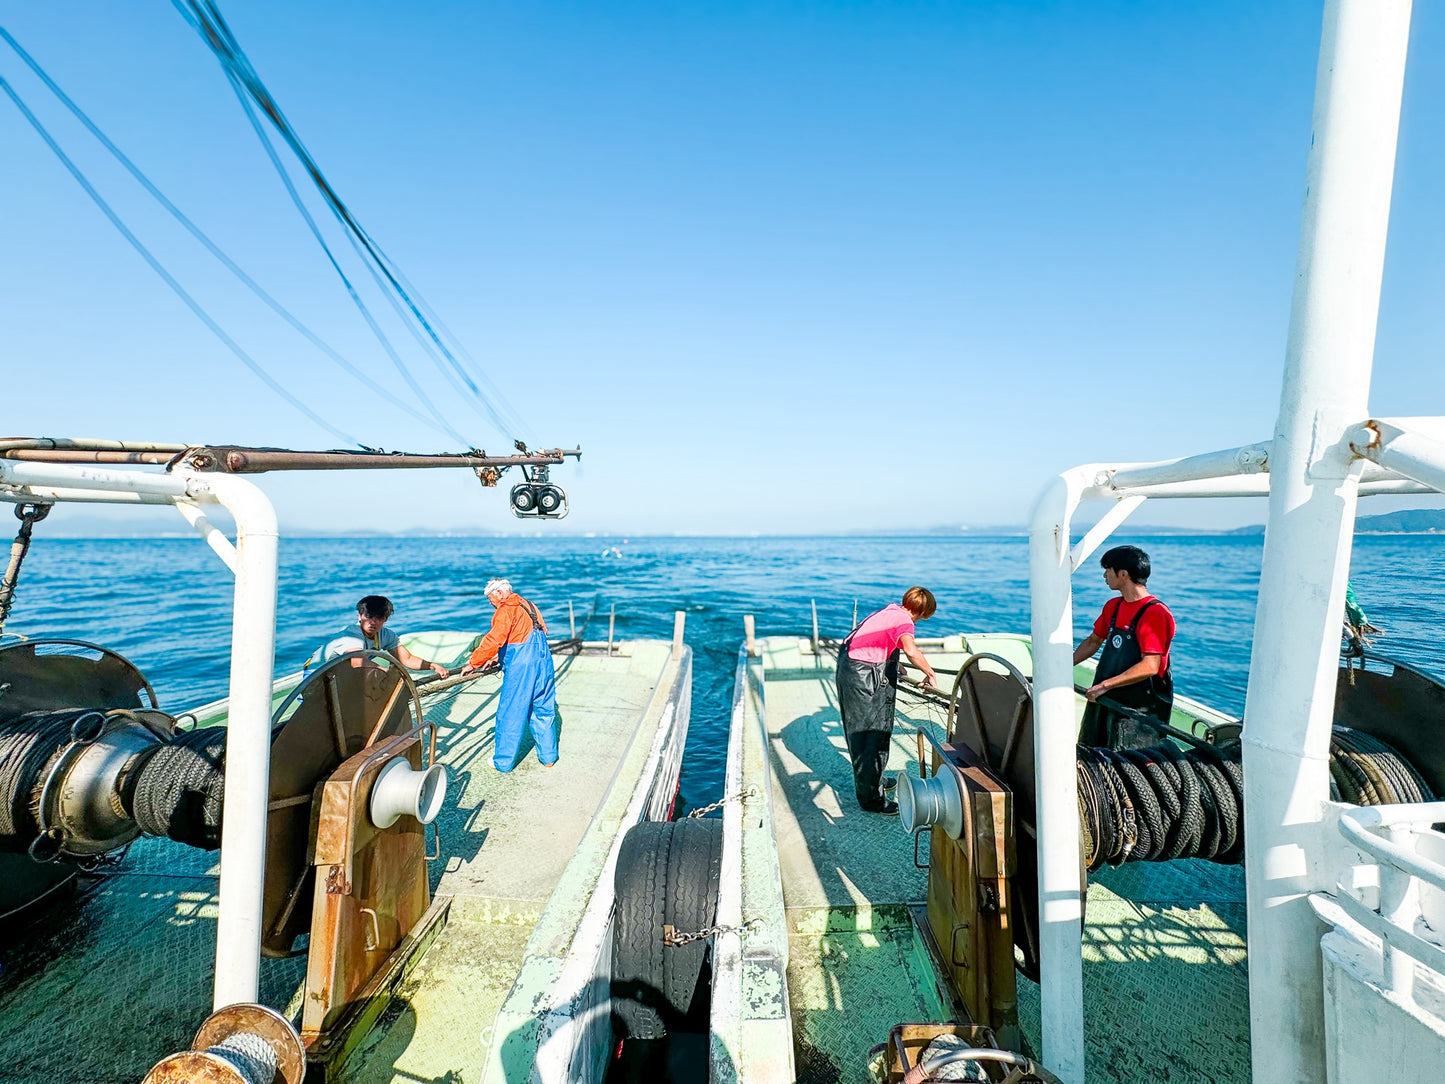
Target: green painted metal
x,y
100,988
1164,949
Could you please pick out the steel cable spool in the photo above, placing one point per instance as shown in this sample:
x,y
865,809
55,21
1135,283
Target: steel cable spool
x,y
178,790
29,747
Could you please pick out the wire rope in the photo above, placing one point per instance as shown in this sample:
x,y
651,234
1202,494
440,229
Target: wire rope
x,y
205,17
169,279
1163,802
356,299
435,422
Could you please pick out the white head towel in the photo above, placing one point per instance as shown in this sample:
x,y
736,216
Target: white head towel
x,y
498,586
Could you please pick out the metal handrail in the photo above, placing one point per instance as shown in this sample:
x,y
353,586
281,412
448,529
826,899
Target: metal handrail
x,y
1357,826
1394,920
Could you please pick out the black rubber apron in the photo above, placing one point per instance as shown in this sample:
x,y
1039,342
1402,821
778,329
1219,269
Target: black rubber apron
x,y
867,692
1154,695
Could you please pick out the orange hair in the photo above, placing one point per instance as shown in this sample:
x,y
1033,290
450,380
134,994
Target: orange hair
x,y
919,601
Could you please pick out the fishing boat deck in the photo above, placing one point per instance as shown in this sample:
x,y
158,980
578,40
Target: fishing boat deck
x,y
1164,944
99,987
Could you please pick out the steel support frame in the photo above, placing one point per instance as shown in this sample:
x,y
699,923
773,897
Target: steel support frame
x,y
1052,563
1294,665
253,559
1316,476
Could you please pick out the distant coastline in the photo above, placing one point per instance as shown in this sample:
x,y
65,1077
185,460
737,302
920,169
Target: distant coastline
x,y
1414,521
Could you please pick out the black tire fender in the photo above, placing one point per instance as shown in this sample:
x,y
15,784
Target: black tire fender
x,y
667,875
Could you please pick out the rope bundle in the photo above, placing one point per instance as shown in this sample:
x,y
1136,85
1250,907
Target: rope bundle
x,y
1366,771
179,788
1162,803
28,745
173,789
1158,804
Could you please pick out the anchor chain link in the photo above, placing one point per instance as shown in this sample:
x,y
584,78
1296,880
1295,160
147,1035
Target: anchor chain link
x,y
745,795
28,515
672,939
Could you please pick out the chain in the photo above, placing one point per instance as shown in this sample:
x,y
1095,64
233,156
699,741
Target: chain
x,y
673,939
745,795
28,515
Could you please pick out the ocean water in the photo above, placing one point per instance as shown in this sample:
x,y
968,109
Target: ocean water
x,y
166,603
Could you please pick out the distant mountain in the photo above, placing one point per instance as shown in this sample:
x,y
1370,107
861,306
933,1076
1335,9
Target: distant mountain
x,y
1406,521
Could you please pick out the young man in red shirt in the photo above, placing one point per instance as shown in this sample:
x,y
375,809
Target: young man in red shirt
x,y
1135,631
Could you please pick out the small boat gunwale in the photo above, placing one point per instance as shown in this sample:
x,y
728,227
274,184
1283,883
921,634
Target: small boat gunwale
x,y
628,706
834,903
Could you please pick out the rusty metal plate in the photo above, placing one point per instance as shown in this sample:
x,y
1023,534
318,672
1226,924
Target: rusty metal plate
x,y
194,1067
47,675
338,710
994,717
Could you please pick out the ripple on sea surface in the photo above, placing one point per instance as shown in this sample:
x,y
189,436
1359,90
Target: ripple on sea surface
x,y
166,603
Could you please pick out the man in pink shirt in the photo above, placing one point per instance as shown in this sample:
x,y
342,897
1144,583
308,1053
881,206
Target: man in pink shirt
x,y
868,683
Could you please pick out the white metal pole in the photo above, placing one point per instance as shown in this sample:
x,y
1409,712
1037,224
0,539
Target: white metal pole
x,y
208,531
1121,510
1295,659
1405,452
123,485
253,651
1250,459
248,738
1061,987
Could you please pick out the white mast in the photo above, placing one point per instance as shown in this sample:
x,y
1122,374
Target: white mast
x,y
1290,704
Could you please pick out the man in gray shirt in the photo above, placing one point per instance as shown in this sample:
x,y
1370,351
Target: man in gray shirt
x,y
370,631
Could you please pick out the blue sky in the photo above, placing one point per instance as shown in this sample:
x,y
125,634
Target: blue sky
x,y
776,267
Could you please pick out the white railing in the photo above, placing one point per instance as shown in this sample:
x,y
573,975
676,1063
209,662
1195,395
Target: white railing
x,y
253,652
1388,834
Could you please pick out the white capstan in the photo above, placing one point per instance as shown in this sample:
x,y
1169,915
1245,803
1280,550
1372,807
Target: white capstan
x,y
497,586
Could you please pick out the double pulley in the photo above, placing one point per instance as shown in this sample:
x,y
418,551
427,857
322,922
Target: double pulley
x,y
537,497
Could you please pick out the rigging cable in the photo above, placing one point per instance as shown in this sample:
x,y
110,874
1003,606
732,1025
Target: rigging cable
x,y
436,421
166,276
205,17
356,298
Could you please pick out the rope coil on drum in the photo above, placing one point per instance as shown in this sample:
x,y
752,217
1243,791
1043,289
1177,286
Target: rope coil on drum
x,y
1163,802
180,786
171,784
29,746
249,1055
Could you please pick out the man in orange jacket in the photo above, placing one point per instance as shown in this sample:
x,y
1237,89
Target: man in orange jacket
x,y
518,639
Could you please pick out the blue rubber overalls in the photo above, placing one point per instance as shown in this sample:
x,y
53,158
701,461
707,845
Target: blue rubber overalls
x,y
529,695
